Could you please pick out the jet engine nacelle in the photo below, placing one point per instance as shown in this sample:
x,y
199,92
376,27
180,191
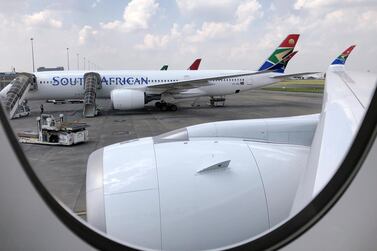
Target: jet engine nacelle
x,y
127,99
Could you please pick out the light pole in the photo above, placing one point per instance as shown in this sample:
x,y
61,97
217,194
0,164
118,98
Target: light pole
x,y
68,59
78,61
32,52
88,65
84,63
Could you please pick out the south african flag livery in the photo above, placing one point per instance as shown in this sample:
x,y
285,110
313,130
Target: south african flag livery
x,y
284,50
343,57
280,67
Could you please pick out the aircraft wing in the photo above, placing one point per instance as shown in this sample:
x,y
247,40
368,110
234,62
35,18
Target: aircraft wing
x,y
347,96
285,76
195,83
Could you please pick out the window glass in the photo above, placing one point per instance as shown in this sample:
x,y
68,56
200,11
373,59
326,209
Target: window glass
x,y
193,165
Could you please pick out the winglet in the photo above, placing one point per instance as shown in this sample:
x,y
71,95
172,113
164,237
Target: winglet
x,y
195,65
341,60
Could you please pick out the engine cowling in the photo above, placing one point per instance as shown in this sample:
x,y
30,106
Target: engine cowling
x,y
127,99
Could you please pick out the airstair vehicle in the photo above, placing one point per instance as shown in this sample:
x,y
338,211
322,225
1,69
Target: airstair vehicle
x,y
92,83
15,102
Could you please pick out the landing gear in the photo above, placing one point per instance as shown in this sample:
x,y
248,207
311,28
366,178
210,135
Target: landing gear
x,y
173,108
163,106
194,103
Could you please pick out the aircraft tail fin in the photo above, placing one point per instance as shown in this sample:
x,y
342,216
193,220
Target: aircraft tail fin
x,y
280,67
285,48
341,60
195,65
164,68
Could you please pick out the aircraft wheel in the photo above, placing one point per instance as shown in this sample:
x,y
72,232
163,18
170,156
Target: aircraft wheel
x,y
163,107
173,108
158,104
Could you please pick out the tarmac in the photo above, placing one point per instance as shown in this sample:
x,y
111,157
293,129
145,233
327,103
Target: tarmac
x,y
63,168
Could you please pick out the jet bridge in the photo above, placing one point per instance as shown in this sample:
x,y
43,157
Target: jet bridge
x,y
15,102
92,83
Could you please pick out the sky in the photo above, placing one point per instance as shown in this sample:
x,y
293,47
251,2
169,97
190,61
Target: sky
x,y
146,34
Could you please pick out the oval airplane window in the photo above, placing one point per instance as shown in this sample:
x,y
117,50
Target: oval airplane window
x,y
200,178
283,232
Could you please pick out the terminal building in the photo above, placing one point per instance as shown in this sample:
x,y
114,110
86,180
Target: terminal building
x,y
6,78
58,68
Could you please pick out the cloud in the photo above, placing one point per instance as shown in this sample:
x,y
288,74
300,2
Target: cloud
x,y
326,31
161,41
230,34
86,33
368,20
193,5
153,42
246,12
45,18
137,15
211,30
95,3
315,4
185,36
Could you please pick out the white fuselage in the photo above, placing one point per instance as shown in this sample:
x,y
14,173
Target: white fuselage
x,y
70,84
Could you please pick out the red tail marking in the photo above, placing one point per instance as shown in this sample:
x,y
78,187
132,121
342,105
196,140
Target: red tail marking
x,y
290,41
195,65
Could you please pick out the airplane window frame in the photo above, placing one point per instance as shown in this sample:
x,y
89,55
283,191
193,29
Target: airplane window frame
x,y
274,239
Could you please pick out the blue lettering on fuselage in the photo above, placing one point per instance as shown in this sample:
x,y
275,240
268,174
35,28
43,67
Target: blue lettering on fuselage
x,y
144,80
55,81
64,81
104,81
130,80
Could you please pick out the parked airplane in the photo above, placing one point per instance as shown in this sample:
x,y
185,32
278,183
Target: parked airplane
x,y
212,185
133,89
193,67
